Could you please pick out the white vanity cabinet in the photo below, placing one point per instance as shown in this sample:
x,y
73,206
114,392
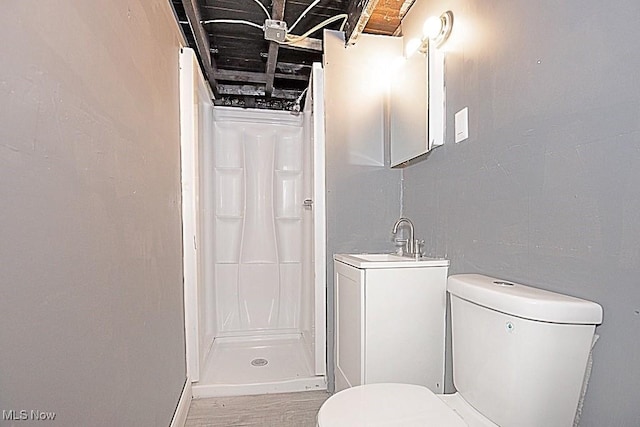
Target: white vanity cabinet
x,y
390,320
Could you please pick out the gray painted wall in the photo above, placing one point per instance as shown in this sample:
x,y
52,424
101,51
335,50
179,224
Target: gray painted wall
x,y
363,196
91,320
546,190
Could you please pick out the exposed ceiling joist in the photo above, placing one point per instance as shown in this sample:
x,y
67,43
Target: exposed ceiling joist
x,y
257,91
253,77
387,17
359,13
277,13
289,67
202,42
306,44
233,52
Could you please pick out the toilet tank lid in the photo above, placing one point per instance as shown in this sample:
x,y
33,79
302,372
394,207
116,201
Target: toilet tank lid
x,y
524,301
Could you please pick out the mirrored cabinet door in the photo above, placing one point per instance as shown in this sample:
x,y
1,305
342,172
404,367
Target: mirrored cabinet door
x,y
409,110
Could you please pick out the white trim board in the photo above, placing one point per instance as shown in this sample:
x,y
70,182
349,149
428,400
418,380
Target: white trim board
x,y
182,410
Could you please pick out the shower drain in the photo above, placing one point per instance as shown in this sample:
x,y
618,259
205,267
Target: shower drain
x,y
259,362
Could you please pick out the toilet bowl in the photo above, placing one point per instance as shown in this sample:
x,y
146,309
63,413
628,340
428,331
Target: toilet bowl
x,y
401,405
519,360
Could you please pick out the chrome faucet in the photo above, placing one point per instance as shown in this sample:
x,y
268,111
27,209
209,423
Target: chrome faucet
x,y
409,248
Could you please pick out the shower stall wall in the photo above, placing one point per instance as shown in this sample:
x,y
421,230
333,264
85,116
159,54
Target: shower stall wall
x,y
260,282
261,310
258,227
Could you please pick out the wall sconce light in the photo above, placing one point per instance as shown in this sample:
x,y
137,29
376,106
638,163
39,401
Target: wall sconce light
x,y
435,30
438,30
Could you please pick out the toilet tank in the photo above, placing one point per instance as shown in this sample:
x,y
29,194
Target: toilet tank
x,y
519,353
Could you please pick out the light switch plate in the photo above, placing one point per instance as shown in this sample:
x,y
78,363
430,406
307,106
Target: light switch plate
x,y
462,124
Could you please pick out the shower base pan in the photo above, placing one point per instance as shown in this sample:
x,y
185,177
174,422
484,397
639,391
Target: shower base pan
x,y
257,365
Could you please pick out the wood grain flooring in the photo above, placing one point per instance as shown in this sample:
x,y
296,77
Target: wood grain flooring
x,y
277,410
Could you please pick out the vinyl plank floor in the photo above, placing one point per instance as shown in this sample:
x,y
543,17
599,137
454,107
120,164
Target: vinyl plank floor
x,y
277,410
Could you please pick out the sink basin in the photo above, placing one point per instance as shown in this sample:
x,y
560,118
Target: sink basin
x,y
381,257
388,261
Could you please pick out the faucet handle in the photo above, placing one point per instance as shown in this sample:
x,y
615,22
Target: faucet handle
x,y
419,245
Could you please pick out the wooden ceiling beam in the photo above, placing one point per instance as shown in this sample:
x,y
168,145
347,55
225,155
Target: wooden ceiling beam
x,y
359,12
306,44
290,66
277,12
202,42
272,60
242,76
257,90
387,17
286,76
253,77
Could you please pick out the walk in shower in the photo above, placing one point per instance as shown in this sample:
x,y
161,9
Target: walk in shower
x,y
258,249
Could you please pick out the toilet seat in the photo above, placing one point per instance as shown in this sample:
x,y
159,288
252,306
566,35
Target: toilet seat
x,y
388,404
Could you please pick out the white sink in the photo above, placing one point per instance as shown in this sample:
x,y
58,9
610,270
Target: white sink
x,y
380,257
388,261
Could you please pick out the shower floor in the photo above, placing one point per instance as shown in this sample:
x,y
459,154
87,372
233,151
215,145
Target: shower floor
x,y
257,365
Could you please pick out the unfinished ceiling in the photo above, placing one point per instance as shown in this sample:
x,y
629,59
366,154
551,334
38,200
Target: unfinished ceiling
x,y
245,69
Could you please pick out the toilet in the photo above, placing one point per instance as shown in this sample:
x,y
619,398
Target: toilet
x,y
519,360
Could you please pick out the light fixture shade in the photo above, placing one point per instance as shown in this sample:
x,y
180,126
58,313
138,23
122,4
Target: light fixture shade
x,y
435,32
446,24
431,28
